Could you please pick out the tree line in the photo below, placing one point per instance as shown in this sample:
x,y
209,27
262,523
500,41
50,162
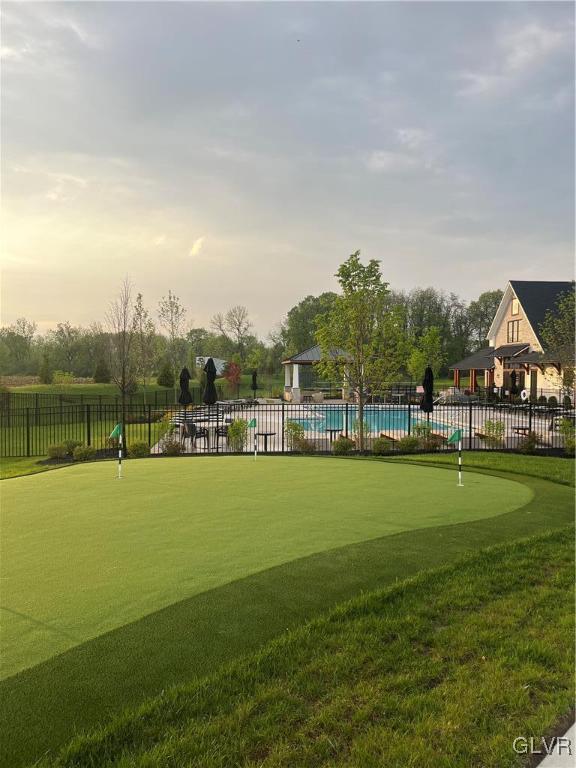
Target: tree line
x,y
156,343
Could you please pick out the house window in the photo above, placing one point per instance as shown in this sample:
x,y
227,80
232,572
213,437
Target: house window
x,y
515,306
513,331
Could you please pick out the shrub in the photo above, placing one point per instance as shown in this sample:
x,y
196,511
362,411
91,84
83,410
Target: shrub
x,y
542,400
62,377
238,435
494,433
57,451
381,446
84,453
277,392
139,450
294,432
408,444
567,401
423,431
553,401
171,447
166,377
70,445
529,443
568,432
301,445
343,446
102,372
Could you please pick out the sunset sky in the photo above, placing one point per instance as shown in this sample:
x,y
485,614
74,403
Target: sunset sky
x,y
237,153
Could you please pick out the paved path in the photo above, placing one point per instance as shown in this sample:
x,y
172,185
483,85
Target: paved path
x,y
568,757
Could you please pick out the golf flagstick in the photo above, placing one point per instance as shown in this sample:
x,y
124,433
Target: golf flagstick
x,y
120,456
252,425
456,437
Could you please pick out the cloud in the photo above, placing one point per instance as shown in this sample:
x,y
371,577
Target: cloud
x,y
197,246
384,161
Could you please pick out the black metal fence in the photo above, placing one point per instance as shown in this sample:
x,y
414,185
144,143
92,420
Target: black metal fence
x,y
285,427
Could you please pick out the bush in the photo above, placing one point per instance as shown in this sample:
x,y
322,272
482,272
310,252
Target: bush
x,y
139,450
84,453
408,444
102,372
71,445
568,432
494,433
342,446
542,400
62,377
57,451
553,401
529,443
171,447
238,435
294,432
45,373
304,446
166,377
567,401
381,446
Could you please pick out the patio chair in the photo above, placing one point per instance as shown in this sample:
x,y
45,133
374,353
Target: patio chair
x,y
200,433
222,431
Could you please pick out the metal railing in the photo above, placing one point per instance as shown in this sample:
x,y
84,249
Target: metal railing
x,y
286,427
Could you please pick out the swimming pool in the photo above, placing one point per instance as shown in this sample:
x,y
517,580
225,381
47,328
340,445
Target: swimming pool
x,y
378,419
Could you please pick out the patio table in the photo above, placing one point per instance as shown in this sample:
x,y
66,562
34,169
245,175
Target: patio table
x,y
265,435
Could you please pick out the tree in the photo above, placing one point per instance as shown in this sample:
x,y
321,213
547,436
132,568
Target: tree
x,y
101,372
234,325
427,351
45,373
120,321
299,330
172,315
166,376
361,337
557,333
481,313
18,339
144,342
232,373
66,339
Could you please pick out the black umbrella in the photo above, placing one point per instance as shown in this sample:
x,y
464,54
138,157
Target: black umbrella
x,y
185,396
427,400
254,380
513,387
210,394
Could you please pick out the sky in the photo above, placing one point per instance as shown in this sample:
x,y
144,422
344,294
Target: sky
x,y
237,153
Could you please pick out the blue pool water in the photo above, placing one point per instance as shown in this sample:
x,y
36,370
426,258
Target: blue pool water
x,y
323,418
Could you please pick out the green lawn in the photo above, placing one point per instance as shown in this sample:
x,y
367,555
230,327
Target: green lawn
x,y
443,671
113,587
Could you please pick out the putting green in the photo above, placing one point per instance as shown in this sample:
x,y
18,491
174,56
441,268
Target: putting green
x,y
84,553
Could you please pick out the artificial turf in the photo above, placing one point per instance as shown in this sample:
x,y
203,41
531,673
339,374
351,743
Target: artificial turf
x,y
94,679
442,671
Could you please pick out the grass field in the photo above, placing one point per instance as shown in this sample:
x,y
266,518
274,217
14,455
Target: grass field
x,y
443,671
112,589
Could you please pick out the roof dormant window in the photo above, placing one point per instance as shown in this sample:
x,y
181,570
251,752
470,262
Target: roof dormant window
x,y
515,306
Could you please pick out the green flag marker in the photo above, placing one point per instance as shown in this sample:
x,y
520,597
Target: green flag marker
x,y
252,424
455,436
116,432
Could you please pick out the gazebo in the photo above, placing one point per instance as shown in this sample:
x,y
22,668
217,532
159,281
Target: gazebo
x,y
299,372
483,361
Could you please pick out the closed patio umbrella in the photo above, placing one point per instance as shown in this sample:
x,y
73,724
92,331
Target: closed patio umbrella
x,y
185,397
513,380
210,394
427,400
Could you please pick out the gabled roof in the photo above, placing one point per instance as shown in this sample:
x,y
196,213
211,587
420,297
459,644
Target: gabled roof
x,y
312,355
483,359
536,297
510,350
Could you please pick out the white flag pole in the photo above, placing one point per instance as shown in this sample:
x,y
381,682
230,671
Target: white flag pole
x,y
460,483
120,455
255,444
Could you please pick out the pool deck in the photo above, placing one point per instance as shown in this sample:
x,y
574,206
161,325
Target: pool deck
x,y
272,418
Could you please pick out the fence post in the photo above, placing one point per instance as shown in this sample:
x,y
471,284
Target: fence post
x,y
529,416
283,446
27,431
470,425
346,421
409,417
149,426
88,425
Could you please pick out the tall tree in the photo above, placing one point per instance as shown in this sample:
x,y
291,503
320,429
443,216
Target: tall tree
x,y
427,351
171,315
299,330
120,322
145,343
557,333
67,339
235,325
481,313
18,339
361,336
